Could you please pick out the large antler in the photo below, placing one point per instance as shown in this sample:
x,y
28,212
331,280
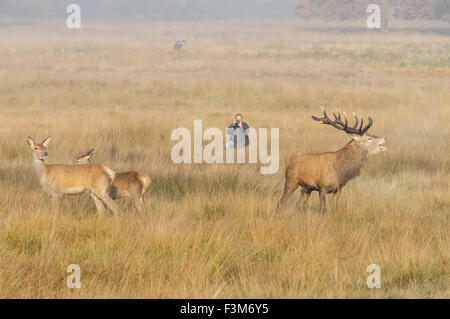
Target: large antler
x,y
340,125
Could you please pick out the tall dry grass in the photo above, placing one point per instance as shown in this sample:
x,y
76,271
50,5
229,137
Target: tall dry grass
x,y
211,230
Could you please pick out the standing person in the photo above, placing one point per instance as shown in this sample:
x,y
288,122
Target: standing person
x,y
238,132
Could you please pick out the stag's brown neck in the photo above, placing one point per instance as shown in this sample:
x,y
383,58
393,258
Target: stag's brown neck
x,y
349,161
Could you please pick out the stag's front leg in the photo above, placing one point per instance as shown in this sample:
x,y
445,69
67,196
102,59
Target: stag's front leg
x,y
303,200
323,200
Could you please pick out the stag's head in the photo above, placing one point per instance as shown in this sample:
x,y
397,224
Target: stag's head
x,y
85,158
358,132
39,149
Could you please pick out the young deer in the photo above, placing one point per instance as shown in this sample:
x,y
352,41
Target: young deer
x,y
329,172
59,180
126,184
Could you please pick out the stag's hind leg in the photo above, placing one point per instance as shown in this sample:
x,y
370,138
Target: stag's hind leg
x,y
289,188
337,195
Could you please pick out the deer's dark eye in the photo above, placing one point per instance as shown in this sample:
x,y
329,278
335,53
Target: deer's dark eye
x,y
36,148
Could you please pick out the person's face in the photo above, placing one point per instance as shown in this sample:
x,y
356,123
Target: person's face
x,y
238,118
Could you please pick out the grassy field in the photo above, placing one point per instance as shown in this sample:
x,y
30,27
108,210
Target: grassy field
x,y
211,231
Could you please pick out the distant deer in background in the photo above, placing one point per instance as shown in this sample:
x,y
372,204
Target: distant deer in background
x,y
328,173
126,184
59,180
178,45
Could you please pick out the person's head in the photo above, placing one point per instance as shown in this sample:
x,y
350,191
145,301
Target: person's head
x,y
238,117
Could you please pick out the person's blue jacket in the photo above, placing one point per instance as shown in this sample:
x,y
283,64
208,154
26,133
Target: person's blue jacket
x,y
236,131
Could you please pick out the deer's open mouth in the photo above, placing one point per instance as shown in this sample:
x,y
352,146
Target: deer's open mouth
x,y
381,147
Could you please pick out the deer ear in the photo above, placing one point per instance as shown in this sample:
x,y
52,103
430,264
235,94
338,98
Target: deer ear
x,y
30,141
46,141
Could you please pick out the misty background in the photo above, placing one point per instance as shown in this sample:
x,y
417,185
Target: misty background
x,y
12,11
149,9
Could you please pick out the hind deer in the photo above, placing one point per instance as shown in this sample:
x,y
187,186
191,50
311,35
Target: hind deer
x,y
125,184
328,172
58,180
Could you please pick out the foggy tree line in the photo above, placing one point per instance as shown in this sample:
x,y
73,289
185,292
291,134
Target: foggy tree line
x,y
354,9
204,9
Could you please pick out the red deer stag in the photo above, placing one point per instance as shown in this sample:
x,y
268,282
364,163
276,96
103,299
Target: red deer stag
x,y
328,172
